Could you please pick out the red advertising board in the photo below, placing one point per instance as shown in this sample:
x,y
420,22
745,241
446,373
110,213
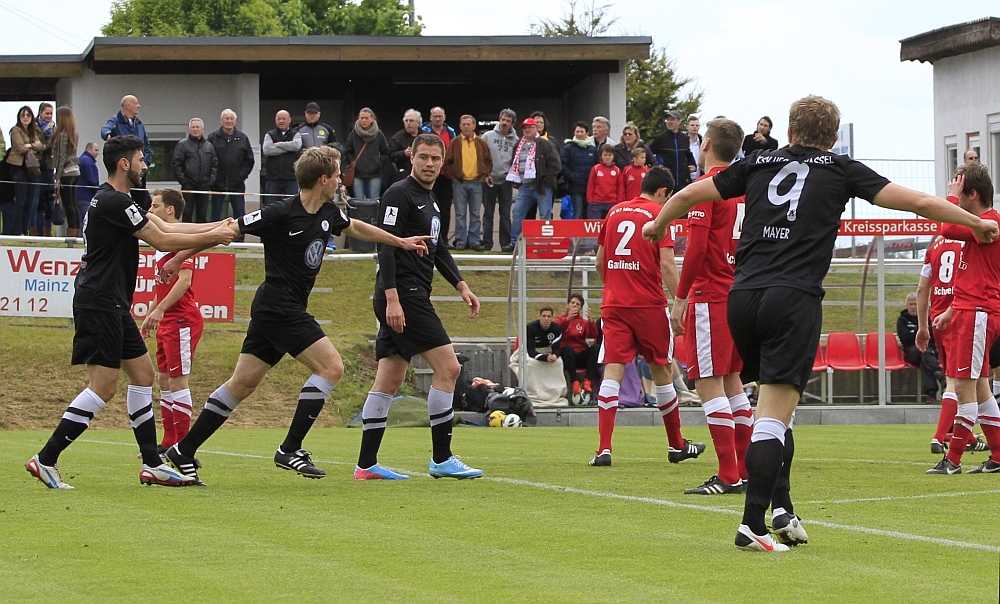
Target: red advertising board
x,y
213,283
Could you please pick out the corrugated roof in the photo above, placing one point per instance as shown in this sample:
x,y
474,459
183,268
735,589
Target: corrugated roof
x,y
951,41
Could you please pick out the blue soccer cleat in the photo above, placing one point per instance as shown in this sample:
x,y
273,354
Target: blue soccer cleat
x,y
377,472
453,467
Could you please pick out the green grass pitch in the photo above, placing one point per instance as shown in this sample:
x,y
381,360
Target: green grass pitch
x,y
542,526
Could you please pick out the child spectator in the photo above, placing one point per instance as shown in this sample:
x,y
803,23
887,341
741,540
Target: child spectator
x,y
604,188
633,174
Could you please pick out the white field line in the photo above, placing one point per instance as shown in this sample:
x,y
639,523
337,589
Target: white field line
x,y
652,501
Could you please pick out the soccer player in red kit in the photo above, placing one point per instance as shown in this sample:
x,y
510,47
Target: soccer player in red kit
x,y
634,312
700,312
974,324
178,325
934,296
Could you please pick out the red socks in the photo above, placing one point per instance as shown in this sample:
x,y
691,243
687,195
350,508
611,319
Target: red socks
x,y
607,409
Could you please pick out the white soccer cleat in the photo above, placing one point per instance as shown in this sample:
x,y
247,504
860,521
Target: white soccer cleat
x,y
166,476
747,541
788,527
49,475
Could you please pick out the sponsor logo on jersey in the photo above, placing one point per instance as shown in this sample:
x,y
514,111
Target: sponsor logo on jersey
x,y
325,225
251,218
390,216
314,253
134,215
435,228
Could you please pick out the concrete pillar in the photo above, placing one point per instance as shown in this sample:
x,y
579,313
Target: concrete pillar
x,y
616,99
247,94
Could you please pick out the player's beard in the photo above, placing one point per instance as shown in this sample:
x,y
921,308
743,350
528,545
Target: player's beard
x,y
135,177
425,180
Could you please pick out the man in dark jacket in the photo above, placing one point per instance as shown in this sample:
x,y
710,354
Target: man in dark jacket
x,y
232,148
533,169
906,330
124,123
442,186
195,167
280,149
315,133
672,148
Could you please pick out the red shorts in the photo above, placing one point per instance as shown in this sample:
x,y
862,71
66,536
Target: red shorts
x,y
628,331
175,344
708,341
972,334
942,342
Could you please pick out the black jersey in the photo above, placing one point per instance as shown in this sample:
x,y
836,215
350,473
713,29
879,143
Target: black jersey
x,y
406,210
542,338
294,242
794,200
106,280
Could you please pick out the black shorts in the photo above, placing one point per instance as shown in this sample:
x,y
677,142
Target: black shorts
x,y
271,335
105,338
995,354
776,331
423,330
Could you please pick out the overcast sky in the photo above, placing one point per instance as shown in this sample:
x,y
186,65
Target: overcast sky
x,y
751,58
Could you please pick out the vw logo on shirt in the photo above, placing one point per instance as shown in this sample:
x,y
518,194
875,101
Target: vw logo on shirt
x,y
435,228
314,253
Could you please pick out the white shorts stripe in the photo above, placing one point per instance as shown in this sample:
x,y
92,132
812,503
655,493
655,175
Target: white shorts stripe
x,y
185,346
670,336
703,339
600,353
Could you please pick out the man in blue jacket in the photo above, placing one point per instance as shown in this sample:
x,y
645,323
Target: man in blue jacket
x,y
672,148
90,179
127,122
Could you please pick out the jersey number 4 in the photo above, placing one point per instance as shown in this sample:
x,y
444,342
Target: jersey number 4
x,y
791,197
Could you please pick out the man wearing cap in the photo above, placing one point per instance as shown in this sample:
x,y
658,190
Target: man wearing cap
x,y
314,132
533,170
280,149
672,148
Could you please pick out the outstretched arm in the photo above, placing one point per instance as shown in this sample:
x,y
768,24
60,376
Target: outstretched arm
x,y
678,205
363,230
173,242
897,197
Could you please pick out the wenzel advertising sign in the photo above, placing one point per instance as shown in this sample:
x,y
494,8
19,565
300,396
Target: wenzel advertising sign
x,y
39,282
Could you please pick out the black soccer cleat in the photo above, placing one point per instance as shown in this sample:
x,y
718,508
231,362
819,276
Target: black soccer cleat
x,y
187,466
300,461
715,486
690,450
988,467
977,445
938,447
945,466
602,458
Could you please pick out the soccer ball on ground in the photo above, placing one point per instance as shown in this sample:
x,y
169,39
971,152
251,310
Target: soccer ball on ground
x,y
512,420
497,418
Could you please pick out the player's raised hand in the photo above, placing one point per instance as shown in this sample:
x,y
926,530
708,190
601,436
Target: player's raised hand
x,y
416,244
225,233
987,231
956,186
651,233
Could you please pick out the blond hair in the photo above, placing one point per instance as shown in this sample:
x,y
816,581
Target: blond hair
x,y
814,122
315,163
726,136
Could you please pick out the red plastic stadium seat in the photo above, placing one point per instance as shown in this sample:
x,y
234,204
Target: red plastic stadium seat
x,y
820,363
843,352
893,360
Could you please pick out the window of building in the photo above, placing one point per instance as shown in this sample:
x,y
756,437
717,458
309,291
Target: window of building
x,y
951,160
162,169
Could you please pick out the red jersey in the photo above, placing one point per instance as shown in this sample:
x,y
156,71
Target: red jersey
x,y
977,280
632,181
710,259
940,262
605,184
632,275
575,332
185,308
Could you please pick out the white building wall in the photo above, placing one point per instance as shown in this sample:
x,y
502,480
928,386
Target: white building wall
x,y
966,100
167,103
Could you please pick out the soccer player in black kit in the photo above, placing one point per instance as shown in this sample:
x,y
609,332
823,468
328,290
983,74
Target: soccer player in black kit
x,y
294,232
106,339
408,324
794,200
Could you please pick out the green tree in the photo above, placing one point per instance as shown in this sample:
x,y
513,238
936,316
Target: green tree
x,y
260,18
652,86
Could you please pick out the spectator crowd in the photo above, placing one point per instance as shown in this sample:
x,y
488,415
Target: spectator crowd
x,y
491,181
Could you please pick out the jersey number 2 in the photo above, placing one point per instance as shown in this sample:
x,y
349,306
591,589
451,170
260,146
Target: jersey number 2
x,y
791,197
628,228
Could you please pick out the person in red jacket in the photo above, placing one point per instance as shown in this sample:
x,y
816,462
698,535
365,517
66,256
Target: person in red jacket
x,y
576,352
633,174
604,188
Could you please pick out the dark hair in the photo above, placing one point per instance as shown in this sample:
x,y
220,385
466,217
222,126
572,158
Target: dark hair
x,y
546,308
657,178
584,125
171,198
426,138
31,130
120,147
43,106
608,148
977,178
541,114
576,297
770,124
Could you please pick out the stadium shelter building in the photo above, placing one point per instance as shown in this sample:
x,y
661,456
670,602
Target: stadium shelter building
x,y
966,59
176,79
